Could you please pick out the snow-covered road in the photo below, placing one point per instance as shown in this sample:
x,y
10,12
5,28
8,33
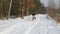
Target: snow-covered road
x,y
42,25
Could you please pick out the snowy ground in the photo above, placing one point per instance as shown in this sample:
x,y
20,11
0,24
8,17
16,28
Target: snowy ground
x,y
42,25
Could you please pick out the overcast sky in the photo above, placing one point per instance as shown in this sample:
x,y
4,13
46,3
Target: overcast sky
x,y
53,3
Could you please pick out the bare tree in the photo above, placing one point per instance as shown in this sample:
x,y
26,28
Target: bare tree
x,y
1,9
50,8
9,8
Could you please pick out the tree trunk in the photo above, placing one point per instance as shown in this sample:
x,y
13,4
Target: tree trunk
x,y
1,10
9,8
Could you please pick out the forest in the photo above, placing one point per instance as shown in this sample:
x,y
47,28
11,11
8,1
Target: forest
x,y
20,8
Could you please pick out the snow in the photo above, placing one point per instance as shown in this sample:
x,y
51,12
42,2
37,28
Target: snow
x,y
42,25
